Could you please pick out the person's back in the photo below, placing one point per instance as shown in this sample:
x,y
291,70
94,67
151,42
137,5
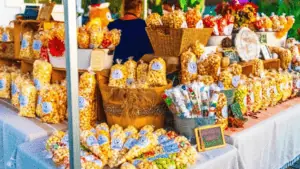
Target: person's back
x,y
134,39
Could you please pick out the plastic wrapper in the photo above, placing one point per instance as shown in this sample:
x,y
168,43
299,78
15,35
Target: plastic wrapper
x,y
96,38
83,38
61,156
283,21
87,99
209,21
27,100
215,66
203,67
16,82
26,44
42,72
286,85
177,20
146,129
259,23
118,137
276,22
267,23
258,67
107,40
154,20
222,111
89,140
63,100
188,67
5,83
7,34
115,37
54,139
131,67
36,45
118,75
45,36
273,92
225,80
142,72
157,73
258,95
186,158
236,69
193,18
266,100
198,49
103,137
207,80
49,105
250,95
280,84
241,96
296,84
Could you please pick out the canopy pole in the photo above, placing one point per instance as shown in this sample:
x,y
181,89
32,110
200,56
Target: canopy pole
x,y
145,7
70,15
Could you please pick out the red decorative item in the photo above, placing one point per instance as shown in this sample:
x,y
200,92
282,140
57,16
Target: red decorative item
x,y
56,47
209,22
44,53
222,23
258,24
106,43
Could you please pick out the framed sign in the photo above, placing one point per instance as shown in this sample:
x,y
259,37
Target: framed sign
x,y
265,52
233,56
46,12
209,137
236,111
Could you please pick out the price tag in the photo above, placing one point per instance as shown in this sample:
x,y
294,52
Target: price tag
x,y
82,102
236,81
117,74
156,66
116,144
102,139
192,67
46,107
91,141
2,84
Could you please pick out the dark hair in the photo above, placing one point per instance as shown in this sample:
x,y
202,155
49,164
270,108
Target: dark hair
x,y
132,4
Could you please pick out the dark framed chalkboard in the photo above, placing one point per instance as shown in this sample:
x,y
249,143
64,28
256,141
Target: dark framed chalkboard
x,y
233,56
209,137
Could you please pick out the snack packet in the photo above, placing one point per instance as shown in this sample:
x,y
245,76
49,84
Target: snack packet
x,y
131,67
157,73
188,67
118,75
83,38
26,44
27,99
5,81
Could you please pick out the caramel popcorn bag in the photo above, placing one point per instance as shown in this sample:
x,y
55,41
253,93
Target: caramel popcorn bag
x,y
188,67
225,81
42,72
118,75
36,45
83,38
5,83
157,73
131,66
142,73
26,45
27,99
154,20
16,84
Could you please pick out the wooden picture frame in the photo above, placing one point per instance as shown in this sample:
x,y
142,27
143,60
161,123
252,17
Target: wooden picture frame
x,y
200,137
46,12
265,52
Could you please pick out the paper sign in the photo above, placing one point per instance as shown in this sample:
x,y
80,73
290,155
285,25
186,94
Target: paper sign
x,y
209,137
233,56
236,111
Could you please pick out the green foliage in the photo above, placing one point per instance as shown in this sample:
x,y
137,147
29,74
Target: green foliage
x,y
289,7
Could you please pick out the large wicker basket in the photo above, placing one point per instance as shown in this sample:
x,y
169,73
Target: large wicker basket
x,y
172,42
136,107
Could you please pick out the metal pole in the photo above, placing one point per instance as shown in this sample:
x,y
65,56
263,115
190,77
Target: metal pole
x,y
145,7
70,14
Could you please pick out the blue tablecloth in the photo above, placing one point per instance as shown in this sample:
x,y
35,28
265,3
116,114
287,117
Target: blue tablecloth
x,y
32,155
15,130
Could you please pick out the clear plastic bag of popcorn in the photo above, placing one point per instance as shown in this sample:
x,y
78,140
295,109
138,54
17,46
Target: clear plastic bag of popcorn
x,y
55,138
285,57
215,66
42,72
83,38
222,111
250,95
198,49
131,67
203,67
5,82
36,45
49,105
266,93
27,99
258,94
142,72
241,96
103,137
118,75
177,20
26,45
61,156
115,37
157,73
193,17
153,20
118,137
63,100
96,38
127,165
87,89
280,84
207,80
258,67
88,139
276,22
16,84
188,67
236,69
273,91
225,80
7,34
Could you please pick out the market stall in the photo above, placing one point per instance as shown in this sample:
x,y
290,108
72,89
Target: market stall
x,y
230,77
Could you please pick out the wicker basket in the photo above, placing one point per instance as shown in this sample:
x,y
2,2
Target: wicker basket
x,y
127,106
186,127
172,42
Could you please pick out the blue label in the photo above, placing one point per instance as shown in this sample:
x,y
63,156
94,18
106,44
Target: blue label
x,y
37,44
129,81
2,84
116,144
37,84
39,101
14,89
158,157
143,132
4,37
23,100
236,81
93,130
143,142
221,85
192,67
130,143
162,139
112,132
128,133
46,107
171,149
136,162
91,141
156,66
102,140
168,142
82,102
24,44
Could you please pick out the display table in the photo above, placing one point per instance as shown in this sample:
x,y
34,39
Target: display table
x,y
272,141
15,130
32,155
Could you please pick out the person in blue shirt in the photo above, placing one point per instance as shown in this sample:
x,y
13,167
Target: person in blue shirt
x,y
134,39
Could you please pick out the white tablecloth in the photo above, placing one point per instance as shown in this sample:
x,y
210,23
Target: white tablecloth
x,y
15,130
222,158
271,143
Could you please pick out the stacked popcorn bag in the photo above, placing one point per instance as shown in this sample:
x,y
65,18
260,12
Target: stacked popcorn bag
x,y
125,148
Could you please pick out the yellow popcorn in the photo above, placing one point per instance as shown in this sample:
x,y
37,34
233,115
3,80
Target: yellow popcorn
x,y
15,89
157,73
226,79
265,93
236,69
214,61
127,165
188,67
27,100
96,37
118,137
131,66
207,80
103,137
198,48
258,95
54,139
118,75
258,67
153,20
5,81
26,45
60,156
42,72
83,38
241,96
36,45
